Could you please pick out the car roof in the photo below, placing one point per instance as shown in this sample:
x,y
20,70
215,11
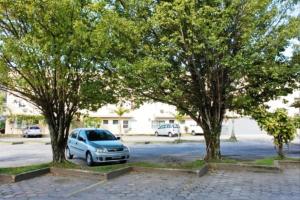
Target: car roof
x,y
89,129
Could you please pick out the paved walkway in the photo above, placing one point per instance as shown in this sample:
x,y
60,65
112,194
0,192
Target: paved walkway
x,y
136,186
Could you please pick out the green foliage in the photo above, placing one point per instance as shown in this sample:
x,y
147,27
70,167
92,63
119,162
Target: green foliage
x,y
92,122
205,57
28,119
120,111
296,104
265,161
297,122
19,170
2,103
2,124
61,56
277,124
179,117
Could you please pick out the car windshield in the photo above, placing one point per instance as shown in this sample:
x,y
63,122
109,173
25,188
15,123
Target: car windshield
x,y
34,127
96,135
175,126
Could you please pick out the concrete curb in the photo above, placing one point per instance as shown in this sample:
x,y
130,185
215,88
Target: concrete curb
x,y
117,173
90,174
31,174
277,168
14,143
199,173
204,170
244,167
5,178
77,173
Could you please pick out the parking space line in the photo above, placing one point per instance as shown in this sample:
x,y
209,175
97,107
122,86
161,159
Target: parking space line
x,y
84,189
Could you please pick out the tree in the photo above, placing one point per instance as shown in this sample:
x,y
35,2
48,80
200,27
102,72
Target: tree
x,y
277,124
2,103
120,111
205,57
92,122
59,55
179,117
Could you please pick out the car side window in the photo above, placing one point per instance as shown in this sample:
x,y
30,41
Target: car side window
x,y
74,134
82,136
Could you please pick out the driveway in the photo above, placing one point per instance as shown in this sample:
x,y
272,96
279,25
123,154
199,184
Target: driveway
x,y
136,186
39,152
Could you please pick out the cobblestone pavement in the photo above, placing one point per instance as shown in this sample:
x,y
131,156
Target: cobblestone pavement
x,y
44,187
138,186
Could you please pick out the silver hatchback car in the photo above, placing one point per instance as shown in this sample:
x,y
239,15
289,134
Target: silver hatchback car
x,y
96,146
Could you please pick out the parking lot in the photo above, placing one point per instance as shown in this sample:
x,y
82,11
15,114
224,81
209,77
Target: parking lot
x,y
36,150
215,185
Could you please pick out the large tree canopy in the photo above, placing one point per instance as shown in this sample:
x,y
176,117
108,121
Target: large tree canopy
x,y
205,57
59,55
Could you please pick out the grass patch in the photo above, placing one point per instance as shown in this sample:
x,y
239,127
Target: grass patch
x,y
270,160
19,170
286,158
265,161
186,165
224,160
66,165
106,168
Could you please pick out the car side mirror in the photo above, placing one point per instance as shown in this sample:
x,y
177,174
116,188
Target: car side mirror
x,y
118,138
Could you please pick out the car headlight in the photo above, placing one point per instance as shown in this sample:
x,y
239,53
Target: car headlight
x,y
125,148
102,150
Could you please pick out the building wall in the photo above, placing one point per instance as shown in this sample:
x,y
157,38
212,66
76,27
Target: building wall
x,y
143,120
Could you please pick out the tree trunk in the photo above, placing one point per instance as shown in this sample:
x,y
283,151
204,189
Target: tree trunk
x,y
280,150
212,140
58,153
59,131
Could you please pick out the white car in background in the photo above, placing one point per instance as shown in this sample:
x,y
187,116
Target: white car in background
x,y
196,130
32,131
168,130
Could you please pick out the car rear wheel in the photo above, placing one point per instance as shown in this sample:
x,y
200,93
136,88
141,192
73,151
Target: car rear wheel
x,y
170,134
89,159
156,133
68,153
193,133
123,161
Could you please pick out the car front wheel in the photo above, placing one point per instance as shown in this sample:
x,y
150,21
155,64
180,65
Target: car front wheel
x,y
68,153
89,159
156,133
170,134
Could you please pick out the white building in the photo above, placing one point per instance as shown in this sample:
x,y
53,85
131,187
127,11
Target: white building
x,y
143,120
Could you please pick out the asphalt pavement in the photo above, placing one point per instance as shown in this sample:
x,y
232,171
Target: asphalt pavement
x,y
36,150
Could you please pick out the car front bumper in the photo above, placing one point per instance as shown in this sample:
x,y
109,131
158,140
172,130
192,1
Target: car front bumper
x,y
33,134
110,157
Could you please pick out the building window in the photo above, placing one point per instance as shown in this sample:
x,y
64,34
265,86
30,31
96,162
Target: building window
x,y
115,122
125,124
18,123
161,122
156,124
105,122
171,121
